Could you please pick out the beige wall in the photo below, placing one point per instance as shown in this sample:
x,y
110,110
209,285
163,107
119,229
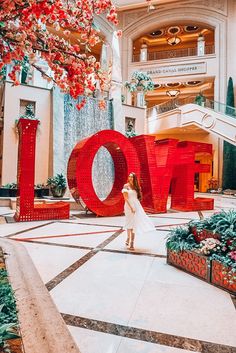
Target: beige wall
x,y
42,97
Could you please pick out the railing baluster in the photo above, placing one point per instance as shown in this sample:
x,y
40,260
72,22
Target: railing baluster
x,y
177,53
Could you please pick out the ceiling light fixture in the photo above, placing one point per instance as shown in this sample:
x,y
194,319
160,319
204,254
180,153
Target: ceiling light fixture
x,y
173,40
173,93
157,33
173,84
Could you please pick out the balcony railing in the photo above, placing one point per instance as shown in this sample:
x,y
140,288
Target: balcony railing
x,y
177,53
207,103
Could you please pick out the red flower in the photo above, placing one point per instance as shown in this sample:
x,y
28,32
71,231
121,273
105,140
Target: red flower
x,y
119,33
34,32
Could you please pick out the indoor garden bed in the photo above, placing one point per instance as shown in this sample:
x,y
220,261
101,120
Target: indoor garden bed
x,y
207,249
10,341
10,190
191,262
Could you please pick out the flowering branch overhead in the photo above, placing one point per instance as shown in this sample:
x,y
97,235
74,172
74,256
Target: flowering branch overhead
x,y
61,32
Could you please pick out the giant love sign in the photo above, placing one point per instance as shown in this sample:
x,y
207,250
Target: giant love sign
x,y
158,164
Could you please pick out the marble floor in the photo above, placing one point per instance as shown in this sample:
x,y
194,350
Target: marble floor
x,y
117,301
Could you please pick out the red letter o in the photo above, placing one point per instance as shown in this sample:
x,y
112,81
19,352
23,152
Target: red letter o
x,y
79,170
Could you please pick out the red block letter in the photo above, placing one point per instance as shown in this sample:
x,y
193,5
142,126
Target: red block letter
x,y
168,163
79,171
182,195
157,159
25,208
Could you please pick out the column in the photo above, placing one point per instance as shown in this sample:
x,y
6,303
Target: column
x,y
201,45
143,52
116,85
57,159
140,99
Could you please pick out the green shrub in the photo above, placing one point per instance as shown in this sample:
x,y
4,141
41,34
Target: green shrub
x,y
180,239
8,312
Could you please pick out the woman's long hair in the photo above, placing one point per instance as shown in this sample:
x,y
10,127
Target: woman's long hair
x,y
136,186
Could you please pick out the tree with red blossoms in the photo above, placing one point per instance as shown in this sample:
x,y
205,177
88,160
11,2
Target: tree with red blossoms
x,y
29,28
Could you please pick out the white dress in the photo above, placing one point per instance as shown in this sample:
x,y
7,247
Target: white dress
x,y
137,221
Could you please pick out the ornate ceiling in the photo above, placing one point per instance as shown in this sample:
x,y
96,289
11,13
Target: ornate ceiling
x,y
124,4
183,88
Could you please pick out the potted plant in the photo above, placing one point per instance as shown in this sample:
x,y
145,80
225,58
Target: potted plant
x,y
200,99
29,115
140,81
130,133
130,130
57,185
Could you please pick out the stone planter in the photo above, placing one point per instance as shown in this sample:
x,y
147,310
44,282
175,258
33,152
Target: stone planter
x,y
191,262
4,192
57,191
13,192
219,277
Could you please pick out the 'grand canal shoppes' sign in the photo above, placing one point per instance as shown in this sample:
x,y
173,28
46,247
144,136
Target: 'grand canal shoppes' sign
x,y
176,70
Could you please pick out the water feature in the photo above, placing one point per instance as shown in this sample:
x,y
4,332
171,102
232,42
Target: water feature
x,y
81,124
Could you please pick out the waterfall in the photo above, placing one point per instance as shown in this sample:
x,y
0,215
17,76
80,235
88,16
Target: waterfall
x,y
81,124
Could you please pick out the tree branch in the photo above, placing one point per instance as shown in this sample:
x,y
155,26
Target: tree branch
x,y
43,73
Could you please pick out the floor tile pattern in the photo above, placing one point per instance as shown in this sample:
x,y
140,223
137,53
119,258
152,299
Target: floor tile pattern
x,y
117,301
148,336
64,274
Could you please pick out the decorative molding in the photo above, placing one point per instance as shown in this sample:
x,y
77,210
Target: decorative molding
x,y
132,16
219,6
208,121
215,5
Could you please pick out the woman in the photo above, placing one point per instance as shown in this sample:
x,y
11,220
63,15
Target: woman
x,y
136,220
